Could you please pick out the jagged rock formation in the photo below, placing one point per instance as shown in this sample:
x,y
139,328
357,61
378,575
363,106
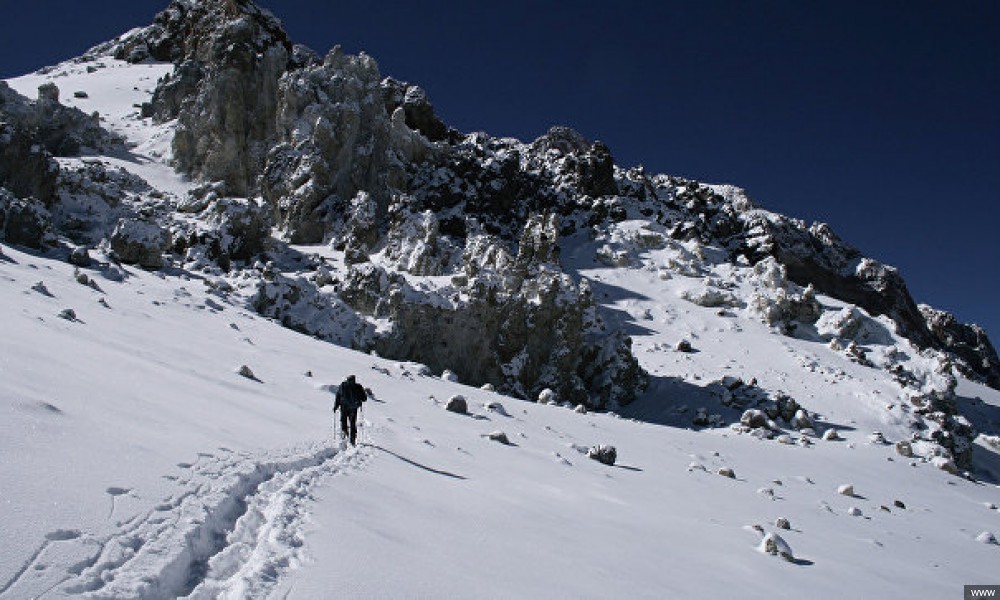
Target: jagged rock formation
x,y
32,133
815,256
969,343
229,58
525,327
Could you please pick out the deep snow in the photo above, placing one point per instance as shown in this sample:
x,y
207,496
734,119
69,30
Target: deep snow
x,y
137,462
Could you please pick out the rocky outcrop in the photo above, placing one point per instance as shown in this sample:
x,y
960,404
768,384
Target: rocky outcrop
x,y
26,169
523,329
335,139
141,242
418,112
976,356
24,222
223,92
188,30
60,130
815,255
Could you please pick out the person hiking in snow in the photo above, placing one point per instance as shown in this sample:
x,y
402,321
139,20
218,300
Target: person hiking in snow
x,y
350,395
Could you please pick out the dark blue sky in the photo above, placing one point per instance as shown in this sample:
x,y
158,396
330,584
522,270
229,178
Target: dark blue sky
x,y
880,118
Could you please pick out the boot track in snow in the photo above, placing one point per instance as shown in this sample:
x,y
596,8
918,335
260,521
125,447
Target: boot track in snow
x,y
233,529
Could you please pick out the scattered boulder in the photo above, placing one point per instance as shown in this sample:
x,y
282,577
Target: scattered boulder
x,y
775,545
854,511
753,418
846,490
877,438
683,346
782,523
899,504
986,537
603,454
727,472
68,313
831,435
904,448
546,396
141,242
945,464
41,289
244,371
801,420
499,436
458,404
580,409
79,256
449,375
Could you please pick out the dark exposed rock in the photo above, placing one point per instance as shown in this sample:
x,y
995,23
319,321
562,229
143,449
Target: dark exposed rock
x,y
59,130
187,30
173,90
417,108
603,454
141,242
457,404
80,257
596,171
562,140
976,356
24,222
26,169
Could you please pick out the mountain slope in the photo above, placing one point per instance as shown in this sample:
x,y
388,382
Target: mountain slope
x,y
140,463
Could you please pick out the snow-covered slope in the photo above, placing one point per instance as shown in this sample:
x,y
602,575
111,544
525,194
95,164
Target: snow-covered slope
x,y
137,460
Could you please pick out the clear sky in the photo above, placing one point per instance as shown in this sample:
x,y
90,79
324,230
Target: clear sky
x,y
879,118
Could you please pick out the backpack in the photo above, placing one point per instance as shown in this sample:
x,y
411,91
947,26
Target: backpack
x,y
351,395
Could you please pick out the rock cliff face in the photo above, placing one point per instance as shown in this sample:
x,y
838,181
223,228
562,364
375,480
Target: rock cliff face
x,y
327,150
229,57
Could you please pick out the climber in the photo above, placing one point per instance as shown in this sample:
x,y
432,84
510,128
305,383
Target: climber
x,y
350,395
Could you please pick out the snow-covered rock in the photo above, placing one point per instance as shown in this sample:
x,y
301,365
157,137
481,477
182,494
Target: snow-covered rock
x,y
603,454
775,545
139,241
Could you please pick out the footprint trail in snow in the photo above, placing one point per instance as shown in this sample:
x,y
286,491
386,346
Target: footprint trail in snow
x,y
234,526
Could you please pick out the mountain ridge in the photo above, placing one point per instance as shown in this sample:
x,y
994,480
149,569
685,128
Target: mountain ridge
x,y
333,152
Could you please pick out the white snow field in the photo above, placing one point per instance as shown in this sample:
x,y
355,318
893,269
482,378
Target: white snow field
x,y
137,462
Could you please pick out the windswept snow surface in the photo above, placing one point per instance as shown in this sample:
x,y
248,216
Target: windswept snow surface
x,y
136,462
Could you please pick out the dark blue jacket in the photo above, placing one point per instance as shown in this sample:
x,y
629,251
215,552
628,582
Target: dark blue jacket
x,y
350,396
